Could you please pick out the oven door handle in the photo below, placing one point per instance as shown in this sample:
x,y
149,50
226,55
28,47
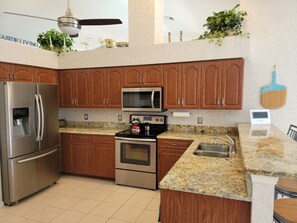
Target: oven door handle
x,y
136,139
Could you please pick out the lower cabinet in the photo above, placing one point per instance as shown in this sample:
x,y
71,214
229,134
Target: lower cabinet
x,y
92,155
169,151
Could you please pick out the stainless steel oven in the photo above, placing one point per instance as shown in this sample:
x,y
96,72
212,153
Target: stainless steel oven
x,y
136,162
136,153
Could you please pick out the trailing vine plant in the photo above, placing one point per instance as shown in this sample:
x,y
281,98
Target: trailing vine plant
x,y
224,23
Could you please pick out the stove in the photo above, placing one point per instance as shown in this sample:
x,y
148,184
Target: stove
x,y
136,152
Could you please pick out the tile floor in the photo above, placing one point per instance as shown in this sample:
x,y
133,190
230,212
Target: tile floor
x,y
85,200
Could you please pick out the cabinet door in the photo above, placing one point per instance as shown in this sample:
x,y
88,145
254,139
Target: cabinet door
x,y
104,151
66,90
46,76
133,76
191,82
24,73
5,71
211,88
152,75
232,84
81,85
80,157
166,159
66,157
114,83
169,151
97,88
172,86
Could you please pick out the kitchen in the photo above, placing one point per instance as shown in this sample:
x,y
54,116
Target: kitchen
x,y
253,50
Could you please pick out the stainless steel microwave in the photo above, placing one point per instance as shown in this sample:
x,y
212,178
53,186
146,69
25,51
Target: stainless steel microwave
x,y
142,99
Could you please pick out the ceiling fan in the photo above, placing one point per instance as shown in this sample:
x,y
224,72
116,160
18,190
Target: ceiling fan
x,y
71,25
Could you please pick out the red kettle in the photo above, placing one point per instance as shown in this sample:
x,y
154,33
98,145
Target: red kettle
x,y
135,126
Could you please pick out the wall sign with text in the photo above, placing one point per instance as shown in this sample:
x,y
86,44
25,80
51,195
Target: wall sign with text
x,y
18,40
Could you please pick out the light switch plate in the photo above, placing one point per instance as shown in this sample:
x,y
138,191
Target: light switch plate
x,y
119,117
86,116
200,120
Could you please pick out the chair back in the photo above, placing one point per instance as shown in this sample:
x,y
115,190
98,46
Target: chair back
x,y
292,132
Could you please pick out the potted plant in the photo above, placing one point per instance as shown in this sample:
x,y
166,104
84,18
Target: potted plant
x,y
55,41
224,23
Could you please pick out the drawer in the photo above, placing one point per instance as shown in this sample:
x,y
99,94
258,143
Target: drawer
x,y
103,139
81,137
174,143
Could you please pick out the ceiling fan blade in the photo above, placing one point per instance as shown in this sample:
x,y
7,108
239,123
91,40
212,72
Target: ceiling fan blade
x,y
95,22
32,16
73,36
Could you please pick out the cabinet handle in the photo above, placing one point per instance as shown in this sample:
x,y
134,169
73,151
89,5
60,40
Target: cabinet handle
x,y
218,101
143,80
14,77
183,101
223,102
107,101
76,102
104,100
72,102
10,78
178,101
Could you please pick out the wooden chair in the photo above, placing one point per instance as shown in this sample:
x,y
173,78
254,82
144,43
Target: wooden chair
x,y
285,187
292,132
285,210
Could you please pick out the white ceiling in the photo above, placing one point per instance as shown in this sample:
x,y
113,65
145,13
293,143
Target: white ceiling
x,y
189,16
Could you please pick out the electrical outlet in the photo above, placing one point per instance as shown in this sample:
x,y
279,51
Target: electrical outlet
x,y
86,116
119,118
200,120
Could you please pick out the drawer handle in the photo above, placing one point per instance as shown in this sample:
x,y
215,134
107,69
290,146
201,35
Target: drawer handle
x,y
174,144
37,157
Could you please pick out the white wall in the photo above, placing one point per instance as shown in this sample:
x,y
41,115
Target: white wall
x,y
273,28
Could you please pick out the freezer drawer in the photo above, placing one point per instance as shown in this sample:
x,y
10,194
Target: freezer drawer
x,y
31,173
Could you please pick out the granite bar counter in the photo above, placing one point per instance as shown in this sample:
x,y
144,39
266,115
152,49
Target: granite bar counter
x,y
220,177
267,151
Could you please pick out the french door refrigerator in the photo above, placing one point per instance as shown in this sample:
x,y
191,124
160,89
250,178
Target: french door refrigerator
x,y
29,138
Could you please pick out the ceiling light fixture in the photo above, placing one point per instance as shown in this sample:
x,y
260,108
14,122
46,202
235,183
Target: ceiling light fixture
x,y
69,24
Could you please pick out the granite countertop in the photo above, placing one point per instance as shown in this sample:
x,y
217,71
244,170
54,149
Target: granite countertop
x,y
93,131
268,151
220,177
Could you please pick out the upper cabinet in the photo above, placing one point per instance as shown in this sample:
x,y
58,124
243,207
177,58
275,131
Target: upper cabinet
x,y
105,87
74,88
23,73
182,85
18,73
46,76
143,76
222,84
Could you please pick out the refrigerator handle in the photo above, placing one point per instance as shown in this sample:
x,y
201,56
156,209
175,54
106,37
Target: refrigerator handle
x,y
38,118
37,157
42,117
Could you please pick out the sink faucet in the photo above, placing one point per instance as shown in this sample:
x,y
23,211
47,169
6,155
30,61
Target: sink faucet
x,y
230,142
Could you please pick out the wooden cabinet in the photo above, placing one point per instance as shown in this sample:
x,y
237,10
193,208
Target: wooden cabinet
x,y
184,207
74,88
143,76
18,73
92,155
46,76
114,84
98,88
104,150
182,85
169,151
222,84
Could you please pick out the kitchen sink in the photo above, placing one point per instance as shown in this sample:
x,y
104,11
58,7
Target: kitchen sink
x,y
212,150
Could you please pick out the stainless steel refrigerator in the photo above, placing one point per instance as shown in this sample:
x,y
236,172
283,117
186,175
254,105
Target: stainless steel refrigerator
x,y
29,138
